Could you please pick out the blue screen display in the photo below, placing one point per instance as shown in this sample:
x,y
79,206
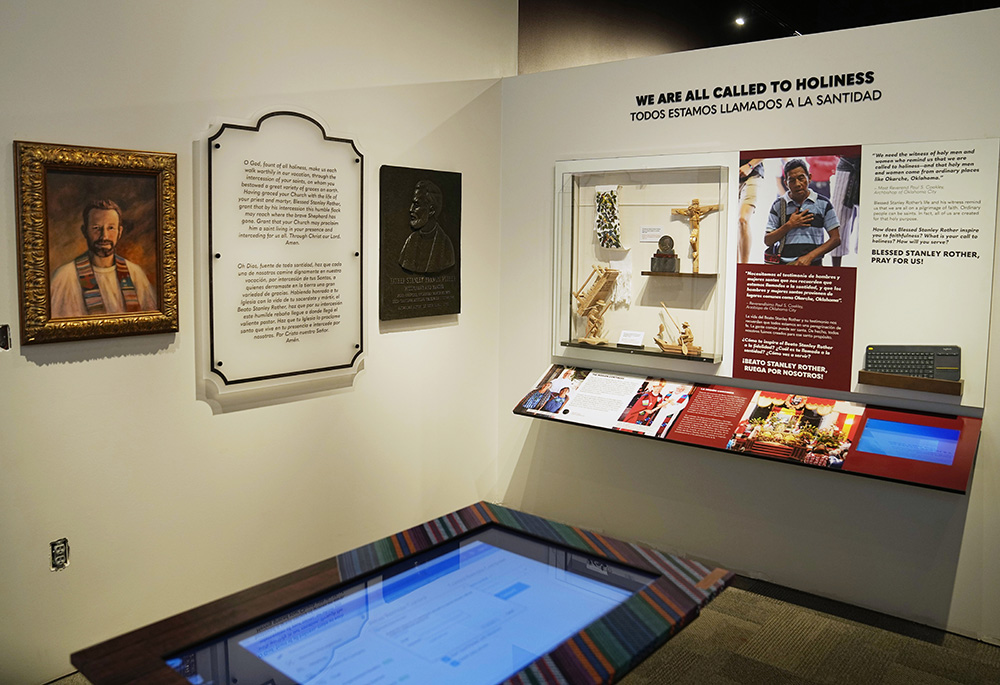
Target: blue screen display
x,y
909,441
474,614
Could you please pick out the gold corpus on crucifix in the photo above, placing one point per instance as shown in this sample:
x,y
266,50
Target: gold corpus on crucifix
x,y
685,337
592,302
695,213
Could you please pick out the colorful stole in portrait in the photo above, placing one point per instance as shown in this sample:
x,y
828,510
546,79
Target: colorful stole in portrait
x,y
92,293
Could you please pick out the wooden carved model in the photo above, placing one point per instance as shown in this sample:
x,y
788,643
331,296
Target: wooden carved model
x,y
592,302
685,338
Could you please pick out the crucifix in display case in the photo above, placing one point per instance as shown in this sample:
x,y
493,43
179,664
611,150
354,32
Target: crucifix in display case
x,y
695,213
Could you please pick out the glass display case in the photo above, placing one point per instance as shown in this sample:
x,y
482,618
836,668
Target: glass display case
x,y
641,259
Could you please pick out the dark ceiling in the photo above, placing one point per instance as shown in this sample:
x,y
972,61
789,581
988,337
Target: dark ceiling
x,y
715,23
556,34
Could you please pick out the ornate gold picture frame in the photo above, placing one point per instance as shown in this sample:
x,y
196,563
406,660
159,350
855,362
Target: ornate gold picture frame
x,y
97,230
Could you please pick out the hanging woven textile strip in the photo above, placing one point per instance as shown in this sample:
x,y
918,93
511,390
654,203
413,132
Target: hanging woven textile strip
x,y
606,217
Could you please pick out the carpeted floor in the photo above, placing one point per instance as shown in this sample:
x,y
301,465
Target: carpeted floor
x,y
757,633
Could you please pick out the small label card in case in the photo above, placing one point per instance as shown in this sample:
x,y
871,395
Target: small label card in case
x,y
631,339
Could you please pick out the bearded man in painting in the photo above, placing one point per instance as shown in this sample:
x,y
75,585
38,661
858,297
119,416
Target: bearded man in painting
x,y
100,281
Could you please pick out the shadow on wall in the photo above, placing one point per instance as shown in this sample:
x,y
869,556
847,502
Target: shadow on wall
x,y
885,546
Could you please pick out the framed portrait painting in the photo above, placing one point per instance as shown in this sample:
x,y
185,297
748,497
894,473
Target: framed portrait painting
x,y
97,231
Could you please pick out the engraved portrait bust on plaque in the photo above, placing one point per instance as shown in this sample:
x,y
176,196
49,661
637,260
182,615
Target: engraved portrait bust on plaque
x,y
664,260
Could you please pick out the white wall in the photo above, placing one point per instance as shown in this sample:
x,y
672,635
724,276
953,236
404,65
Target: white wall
x,y
166,505
921,554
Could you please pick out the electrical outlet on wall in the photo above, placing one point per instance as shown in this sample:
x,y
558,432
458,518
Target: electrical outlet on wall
x,y
59,554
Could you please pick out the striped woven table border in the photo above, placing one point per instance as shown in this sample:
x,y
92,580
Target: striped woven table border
x,y
609,647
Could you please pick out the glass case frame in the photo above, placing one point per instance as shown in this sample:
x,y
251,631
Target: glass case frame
x,y
655,197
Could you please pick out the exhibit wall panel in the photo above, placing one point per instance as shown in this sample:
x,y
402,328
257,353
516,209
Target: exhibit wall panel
x,y
165,504
911,552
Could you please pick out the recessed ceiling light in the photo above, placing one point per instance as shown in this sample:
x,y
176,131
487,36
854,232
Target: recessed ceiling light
x,y
740,21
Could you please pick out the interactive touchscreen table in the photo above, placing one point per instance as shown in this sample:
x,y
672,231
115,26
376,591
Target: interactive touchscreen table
x,y
483,595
